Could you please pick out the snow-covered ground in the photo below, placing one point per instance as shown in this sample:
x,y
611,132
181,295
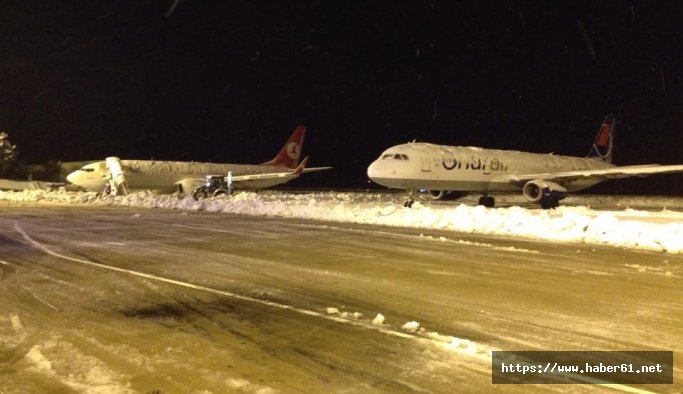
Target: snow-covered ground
x,y
649,223
122,299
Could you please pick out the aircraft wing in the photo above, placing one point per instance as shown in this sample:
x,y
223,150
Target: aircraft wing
x,y
604,173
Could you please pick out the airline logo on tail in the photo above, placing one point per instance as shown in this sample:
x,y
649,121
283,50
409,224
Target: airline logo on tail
x,y
604,141
291,151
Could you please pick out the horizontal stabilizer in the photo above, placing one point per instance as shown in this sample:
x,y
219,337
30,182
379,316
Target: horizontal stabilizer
x,y
272,176
316,169
300,169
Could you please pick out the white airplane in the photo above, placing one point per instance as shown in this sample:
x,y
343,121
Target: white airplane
x,y
121,176
451,171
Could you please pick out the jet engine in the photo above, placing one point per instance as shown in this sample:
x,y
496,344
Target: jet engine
x,y
538,189
117,182
436,194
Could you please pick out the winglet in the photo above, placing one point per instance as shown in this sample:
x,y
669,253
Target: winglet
x,y
289,155
300,169
604,141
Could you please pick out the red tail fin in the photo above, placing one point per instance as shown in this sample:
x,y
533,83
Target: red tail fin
x,y
291,151
604,141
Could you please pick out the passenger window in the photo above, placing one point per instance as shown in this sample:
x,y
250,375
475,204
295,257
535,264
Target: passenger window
x,y
87,169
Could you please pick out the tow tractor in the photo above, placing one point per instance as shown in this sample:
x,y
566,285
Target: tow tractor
x,y
214,186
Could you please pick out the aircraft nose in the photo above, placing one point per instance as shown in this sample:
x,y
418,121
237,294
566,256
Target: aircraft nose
x,y
373,170
72,177
381,174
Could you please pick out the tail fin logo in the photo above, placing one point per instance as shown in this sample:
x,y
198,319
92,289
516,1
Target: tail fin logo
x,y
289,155
604,137
604,141
293,150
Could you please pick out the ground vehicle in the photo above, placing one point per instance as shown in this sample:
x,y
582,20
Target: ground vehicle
x,y
214,186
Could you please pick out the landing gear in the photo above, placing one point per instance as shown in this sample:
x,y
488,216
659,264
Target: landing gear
x,y
487,201
549,203
411,199
550,199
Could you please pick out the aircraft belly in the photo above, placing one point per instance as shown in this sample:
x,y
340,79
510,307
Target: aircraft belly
x,y
261,183
445,184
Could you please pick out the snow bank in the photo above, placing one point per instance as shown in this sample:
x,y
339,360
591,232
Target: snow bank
x,y
378,320
659,230
411,326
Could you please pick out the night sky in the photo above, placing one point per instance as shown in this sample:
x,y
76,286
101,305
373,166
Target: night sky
x,y
228,81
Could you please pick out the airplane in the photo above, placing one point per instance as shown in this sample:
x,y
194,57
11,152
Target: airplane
x,y
452,171
118,176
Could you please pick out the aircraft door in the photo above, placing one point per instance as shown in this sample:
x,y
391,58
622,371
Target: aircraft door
x,y
426,164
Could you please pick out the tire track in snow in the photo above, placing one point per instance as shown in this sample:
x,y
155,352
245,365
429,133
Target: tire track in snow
x,y
448,343
225,293
6,271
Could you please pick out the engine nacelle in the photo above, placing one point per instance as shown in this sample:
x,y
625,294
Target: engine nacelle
x,y
537,189
437,194
445,194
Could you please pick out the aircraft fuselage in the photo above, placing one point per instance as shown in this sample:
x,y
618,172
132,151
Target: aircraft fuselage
x,y
415,166
164,176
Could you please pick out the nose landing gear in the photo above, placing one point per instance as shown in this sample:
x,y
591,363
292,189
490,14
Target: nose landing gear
x,y
487,201
411,198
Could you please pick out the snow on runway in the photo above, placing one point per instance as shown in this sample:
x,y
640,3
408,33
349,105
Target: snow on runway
x,y
186,301
619,225
459,345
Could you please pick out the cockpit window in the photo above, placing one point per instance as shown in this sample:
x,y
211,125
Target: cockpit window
x,y
394,156
87,169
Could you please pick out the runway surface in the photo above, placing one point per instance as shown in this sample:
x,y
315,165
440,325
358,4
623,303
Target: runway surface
x,y
98,299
